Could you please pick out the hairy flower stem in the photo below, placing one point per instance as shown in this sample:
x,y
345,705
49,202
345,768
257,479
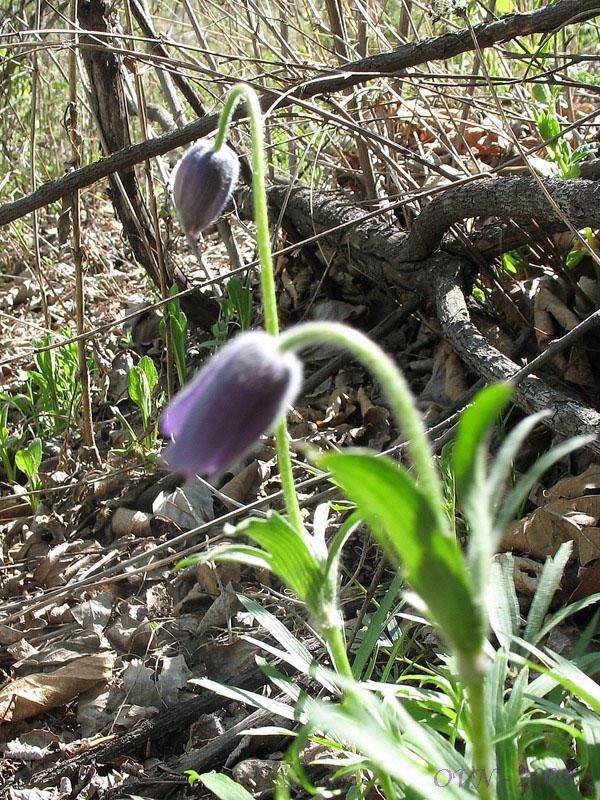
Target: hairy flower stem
x,y
480,736
336,643
267,277
403,405
472,667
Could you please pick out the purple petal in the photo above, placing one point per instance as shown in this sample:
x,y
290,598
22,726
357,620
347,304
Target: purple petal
x,y
238,396
202,184
173,421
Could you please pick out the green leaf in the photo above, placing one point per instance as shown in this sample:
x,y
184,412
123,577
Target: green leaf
x,y
147,366
513,502
541,93
548,584
193,776
564,672
250,698
142,379
548,126
294,652
124,422
471,446
224,786
29,459
290,557
574,257
540,775
591,731
405,525
380,732
500,470
243,554
503,605
241,297
376,627
565,612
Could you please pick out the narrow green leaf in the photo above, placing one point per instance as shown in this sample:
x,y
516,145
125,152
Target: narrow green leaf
x,y
404,523
470,448
565,612
564,672
522,489
376,627
243,554
376,732
290,557
499,470
248,697
294,652
124,422
548,583
590,725
503,605
540,779
224,787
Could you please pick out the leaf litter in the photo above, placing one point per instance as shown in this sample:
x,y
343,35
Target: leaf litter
x,y
88,663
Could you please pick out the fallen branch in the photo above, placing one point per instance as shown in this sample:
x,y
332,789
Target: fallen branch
x,y
378,251
385,253
569,417
168,723
517,198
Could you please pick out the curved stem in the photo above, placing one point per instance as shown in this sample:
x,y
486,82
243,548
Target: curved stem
x,y
387,373
334,636
267,278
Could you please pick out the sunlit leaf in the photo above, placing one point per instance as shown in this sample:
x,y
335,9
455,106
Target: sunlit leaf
x,y
403,521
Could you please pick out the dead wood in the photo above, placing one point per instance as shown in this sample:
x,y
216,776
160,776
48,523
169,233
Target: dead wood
x,y
387,254
378,251
110,110
104,69
568,415
516,198
168,723
548,18
157,47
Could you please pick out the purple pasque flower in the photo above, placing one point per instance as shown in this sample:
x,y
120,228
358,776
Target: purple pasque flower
x,y
202,183
238,395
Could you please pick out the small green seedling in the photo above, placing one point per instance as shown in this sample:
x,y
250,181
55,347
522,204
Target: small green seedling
x,y
240,299
238,302
178,324
7,445
142,380
28,461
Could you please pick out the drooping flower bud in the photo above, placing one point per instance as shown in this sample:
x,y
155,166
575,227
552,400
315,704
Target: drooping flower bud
x,y
237,396
202,184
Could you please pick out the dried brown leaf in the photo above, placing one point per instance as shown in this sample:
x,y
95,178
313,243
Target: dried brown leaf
x,y
542,532
27,697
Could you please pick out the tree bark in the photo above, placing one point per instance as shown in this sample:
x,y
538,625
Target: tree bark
x,y
104,69
378,251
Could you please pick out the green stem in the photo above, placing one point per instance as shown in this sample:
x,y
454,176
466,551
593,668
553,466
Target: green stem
x,y
387,373
267,277
387,785
479,733
336,643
